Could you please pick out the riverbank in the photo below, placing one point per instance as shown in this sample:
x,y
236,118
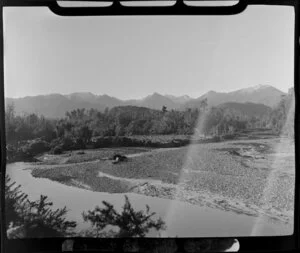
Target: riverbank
x,y
252,177
38,149
182,219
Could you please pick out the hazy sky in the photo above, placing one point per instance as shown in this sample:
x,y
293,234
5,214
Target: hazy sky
x,y
132,57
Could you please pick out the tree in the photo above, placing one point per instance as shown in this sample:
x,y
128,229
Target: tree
x,y
212,121
203,104
282,116
10,123
130,223
279,115
164,109
27,218
14,199
85,134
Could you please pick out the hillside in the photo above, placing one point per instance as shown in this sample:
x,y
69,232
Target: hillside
x,y
261,94
157,101
247,109
52,106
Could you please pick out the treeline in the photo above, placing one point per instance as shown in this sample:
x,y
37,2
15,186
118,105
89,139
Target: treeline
x,y
79,127
282,116
84,124
220,121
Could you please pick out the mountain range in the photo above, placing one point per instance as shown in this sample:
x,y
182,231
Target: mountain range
x,y
56,105
260,94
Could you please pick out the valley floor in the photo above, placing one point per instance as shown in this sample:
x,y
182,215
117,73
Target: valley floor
x,y
252,177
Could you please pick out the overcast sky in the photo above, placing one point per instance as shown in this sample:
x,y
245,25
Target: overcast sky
x,y
132,57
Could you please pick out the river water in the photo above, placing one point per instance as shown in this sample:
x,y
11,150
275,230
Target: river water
x,y
182,219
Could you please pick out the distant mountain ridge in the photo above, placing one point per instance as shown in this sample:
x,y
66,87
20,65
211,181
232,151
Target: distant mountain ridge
x,y
260,94
56,105
181,99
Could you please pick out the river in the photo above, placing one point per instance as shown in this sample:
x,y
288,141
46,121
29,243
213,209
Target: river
x,y
182,219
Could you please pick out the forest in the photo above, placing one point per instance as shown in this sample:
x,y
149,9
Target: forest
x,y
30,134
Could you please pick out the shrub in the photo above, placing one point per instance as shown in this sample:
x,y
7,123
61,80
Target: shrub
x,y
216,139
38,220
13,200
67,143
36,147
229,136
79,144
57,150
116,141
25,218
102,142
15,153
130,223
127,141
54,143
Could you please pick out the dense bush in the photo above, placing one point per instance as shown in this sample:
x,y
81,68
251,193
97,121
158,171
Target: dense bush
x,y
27,127
229,136
115,127
282,116
57,150
35,147
216,139
66,144
101,142
16,153
138,141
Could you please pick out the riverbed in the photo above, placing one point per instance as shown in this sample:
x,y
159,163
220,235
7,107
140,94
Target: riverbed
x,y
182,219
